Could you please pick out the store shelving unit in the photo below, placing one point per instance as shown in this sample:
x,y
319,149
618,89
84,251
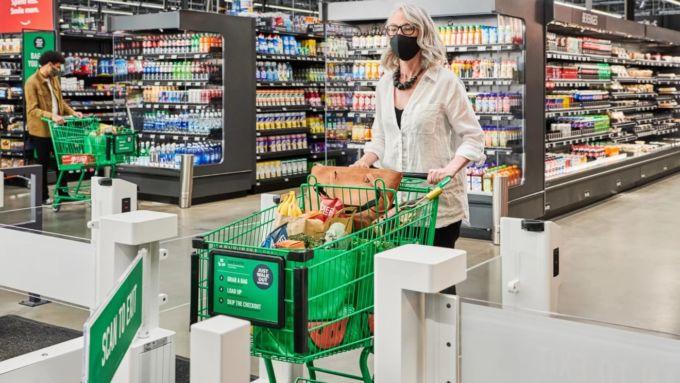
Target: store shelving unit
x,y
527,52
12,107
650,121
203,93
286,135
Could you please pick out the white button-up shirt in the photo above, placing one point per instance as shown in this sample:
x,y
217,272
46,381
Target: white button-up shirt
x,y
437,123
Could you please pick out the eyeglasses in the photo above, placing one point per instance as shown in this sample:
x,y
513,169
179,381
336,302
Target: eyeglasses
x,y
406,29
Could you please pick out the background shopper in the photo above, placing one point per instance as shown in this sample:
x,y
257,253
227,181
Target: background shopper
x,y
424,121
44,99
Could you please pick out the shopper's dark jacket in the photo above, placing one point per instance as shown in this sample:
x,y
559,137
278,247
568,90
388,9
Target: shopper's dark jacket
x,y
39,103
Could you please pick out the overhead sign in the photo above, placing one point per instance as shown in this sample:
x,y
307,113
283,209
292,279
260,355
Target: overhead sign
x,y
248,286
17,15
112,328
35,43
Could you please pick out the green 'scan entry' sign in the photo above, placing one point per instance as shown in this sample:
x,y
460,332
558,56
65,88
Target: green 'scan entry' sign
x,y
248,286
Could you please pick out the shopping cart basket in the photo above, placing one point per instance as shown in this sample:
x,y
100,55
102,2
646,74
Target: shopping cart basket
x,y
313,303
79,146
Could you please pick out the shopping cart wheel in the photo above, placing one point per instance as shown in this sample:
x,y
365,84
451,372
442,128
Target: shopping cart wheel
x,y
56,208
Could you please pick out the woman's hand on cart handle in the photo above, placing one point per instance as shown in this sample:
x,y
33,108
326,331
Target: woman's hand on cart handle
x,y
437,175
79,115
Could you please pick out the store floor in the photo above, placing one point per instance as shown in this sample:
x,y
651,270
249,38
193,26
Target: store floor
x,y
620,262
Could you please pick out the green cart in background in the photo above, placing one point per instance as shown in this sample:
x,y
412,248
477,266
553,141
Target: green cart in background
x,y
309,304
79,146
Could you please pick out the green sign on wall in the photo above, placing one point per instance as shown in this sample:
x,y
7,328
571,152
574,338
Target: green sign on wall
x,y
248,286
112,328
35,43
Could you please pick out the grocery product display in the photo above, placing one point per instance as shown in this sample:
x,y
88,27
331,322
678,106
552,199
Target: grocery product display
x,y
614,98
12,132
180,98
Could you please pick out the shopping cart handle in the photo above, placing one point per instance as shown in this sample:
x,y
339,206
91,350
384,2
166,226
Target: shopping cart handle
x,y
423,176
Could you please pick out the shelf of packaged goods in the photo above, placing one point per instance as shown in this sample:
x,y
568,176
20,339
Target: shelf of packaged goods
x,y
289,33
653,120
554,143
670,108
101,76
488,81
644,108
608,59
351,83
163,136
99,107
281,154
276,132
170,83
634,80
174,105
289,84
174,56
558,83
92,93
289,108
667,81
483,48
492,151
281,182
317,136
363,52
577,111
294,58
329,153
87,34
13,135
352,112
665,129
630,95
10,56
20,153
623,125
342,60
356,145
497,116
15,77
623,138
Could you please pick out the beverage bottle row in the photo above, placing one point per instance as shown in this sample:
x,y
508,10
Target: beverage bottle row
x,y
315,124
202,122
280,97
274,169
560,163
284,45
480,177
499,136
169,155
363,101
335,47
180,43
273,71
366,70
288,97
509,31
178,71
317,147
281,121
361,133
339,99
338,128
596,122
484,68
373,39
494,102
169,94
283,143
10,45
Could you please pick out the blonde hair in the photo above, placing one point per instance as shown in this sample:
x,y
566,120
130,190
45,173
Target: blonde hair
x,y
431,46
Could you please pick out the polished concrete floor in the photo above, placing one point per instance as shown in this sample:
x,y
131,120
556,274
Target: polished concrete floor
x,y
620,261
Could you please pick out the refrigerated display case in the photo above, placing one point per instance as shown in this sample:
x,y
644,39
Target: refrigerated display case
x,y
612,113
189,80
495,49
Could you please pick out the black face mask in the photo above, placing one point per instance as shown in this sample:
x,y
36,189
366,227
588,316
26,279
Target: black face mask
x,y
405,47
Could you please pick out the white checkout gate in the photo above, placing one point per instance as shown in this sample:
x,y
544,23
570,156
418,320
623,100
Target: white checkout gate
x,y
85,273
427,337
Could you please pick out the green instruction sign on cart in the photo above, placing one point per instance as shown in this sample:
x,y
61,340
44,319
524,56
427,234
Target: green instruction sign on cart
x,y
112,328
35,43
247,286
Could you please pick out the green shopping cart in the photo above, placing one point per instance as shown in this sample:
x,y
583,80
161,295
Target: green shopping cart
x,y
80,146
312,303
